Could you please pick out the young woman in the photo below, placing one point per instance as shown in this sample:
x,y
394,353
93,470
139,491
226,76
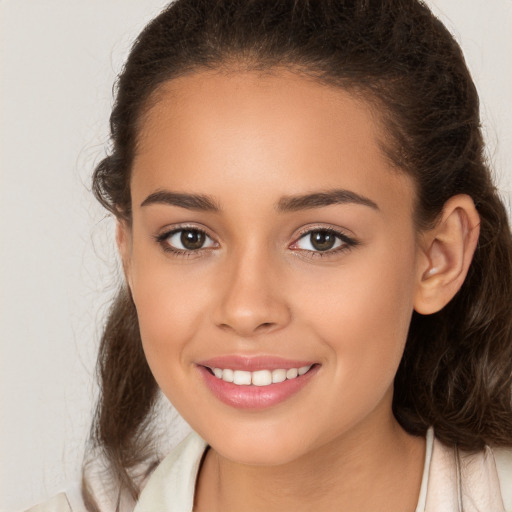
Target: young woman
x,y
318,268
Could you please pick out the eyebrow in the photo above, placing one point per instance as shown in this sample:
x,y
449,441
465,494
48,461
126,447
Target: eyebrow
x,y
198,202
205,203
321,199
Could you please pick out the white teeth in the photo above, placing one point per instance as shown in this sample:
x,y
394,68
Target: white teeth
x,y
303,370
278,376
292,373
227,375
242,378
260,377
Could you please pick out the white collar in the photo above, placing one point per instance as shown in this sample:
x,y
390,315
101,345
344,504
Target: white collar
x,y
171,487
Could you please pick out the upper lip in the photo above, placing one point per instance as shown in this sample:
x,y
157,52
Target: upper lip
x,y
253,363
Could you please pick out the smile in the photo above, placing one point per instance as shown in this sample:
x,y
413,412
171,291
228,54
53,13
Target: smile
x,y
257,389
260,377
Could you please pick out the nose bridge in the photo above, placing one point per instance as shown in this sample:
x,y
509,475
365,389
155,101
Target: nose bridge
x,y
252,300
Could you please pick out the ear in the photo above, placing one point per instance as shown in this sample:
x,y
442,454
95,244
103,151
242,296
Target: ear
x,y
124,246
447,251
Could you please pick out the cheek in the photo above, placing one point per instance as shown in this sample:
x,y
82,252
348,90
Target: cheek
x,y
169,314
362,313
170,307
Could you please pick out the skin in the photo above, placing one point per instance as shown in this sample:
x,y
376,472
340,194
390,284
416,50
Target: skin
x,y
258,288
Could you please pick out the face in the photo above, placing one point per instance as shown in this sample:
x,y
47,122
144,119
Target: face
x,y
270,237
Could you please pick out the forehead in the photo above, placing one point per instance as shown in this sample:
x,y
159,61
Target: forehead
x,y
291,103
276,132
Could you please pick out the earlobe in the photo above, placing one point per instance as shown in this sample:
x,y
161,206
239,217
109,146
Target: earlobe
x,y
447,252
123,240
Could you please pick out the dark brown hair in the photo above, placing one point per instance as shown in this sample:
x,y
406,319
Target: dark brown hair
x,y
456,372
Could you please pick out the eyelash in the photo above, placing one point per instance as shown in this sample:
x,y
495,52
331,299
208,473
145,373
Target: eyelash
x,y
184,253
346,242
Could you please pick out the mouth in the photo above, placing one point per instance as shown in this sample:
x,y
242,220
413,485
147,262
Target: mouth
x,y
259,389
260,377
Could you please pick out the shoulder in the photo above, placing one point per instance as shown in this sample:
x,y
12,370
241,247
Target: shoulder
x,y
69,500
503,461
489,469
482,479
58,503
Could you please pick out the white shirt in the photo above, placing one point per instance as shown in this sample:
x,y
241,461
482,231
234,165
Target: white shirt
x,y
469,482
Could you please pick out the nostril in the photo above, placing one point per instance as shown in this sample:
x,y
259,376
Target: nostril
x,y
265,326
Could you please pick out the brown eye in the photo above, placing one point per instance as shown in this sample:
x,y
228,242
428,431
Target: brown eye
x,y
191,239
185,239
322,240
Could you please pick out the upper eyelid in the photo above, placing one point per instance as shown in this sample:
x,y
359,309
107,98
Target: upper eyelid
x,y
342,232
169,230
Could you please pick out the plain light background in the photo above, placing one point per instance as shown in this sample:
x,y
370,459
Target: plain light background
x,y
58,268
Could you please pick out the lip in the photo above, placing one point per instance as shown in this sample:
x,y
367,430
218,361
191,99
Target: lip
x,y
254,397
253,363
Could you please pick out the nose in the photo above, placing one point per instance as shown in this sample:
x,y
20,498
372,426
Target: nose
x,y
252,300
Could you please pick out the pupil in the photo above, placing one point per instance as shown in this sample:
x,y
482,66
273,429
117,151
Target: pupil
x,y
192,239
322,240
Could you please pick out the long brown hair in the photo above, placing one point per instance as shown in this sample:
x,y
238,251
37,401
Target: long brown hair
x,y
456,372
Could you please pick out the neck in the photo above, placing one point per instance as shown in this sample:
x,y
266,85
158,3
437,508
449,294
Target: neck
x,y
365,469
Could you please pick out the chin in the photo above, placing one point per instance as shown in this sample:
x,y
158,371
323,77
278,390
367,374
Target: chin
x,y
260,449
258,456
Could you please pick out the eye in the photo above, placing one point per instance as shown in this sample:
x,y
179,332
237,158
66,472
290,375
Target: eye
x,y
323,240
185,240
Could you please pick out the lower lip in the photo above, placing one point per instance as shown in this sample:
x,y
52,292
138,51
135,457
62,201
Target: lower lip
x,y
255,397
